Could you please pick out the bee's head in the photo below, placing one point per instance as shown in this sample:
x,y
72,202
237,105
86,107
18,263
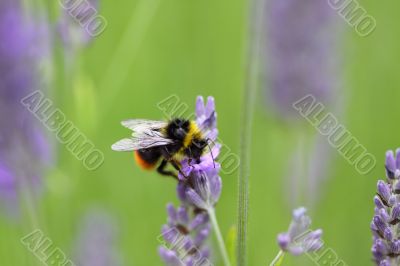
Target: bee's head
x,y
177,129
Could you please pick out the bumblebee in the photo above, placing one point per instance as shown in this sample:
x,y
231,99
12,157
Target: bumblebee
x,y
168,142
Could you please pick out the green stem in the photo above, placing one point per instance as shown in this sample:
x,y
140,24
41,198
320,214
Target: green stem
x,y
249,94
277,258
218,234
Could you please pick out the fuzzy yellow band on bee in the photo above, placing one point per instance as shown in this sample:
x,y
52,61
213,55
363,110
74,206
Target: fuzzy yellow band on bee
x,y
193,133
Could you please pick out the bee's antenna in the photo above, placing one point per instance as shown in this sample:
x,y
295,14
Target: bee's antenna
x,y
208,144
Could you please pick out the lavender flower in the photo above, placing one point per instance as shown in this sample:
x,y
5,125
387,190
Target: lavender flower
x,y
185,237
198,190
300,47
24,149
96,241
300,239
384,225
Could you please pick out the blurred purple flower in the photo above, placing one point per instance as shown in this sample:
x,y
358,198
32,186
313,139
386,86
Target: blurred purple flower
x,y
198,191
24,149
96,241
384,225
301,52
301,39
300,239
73,35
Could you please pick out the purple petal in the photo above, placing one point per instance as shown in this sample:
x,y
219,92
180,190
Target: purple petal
x,y
202,186
200,109
210,108
199,220
387,234
169,257
383,190
378,202
396,212
390,161
299,213
216,188
283,240
170,234
181,191
380,224
171,212
195,199
384,215
183,215
202,236
395,247
380,246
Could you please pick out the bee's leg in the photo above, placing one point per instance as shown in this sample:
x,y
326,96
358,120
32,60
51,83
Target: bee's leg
x,y
175,164
161,169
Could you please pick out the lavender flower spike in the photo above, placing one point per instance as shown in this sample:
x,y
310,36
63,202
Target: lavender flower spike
x,y
300,239
199,189
301,45
96,244
25,151
184,238
384,225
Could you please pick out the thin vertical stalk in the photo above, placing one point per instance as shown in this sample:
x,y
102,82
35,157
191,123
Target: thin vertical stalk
x,y
277,258
249,94
220,239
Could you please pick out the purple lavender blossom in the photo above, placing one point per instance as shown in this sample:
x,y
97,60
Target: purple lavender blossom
x,y
206,117
24,149
300,43
300,239
185,237
198,190
96,241
384,225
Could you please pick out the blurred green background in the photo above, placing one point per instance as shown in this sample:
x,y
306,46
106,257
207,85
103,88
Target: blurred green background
x,y
152,49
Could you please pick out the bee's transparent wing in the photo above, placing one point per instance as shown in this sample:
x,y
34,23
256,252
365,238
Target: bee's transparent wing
x,y
134,143
139,125
124,145
146,134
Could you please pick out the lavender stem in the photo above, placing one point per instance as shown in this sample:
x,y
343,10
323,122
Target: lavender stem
x,y
220,240
249,95
277,258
